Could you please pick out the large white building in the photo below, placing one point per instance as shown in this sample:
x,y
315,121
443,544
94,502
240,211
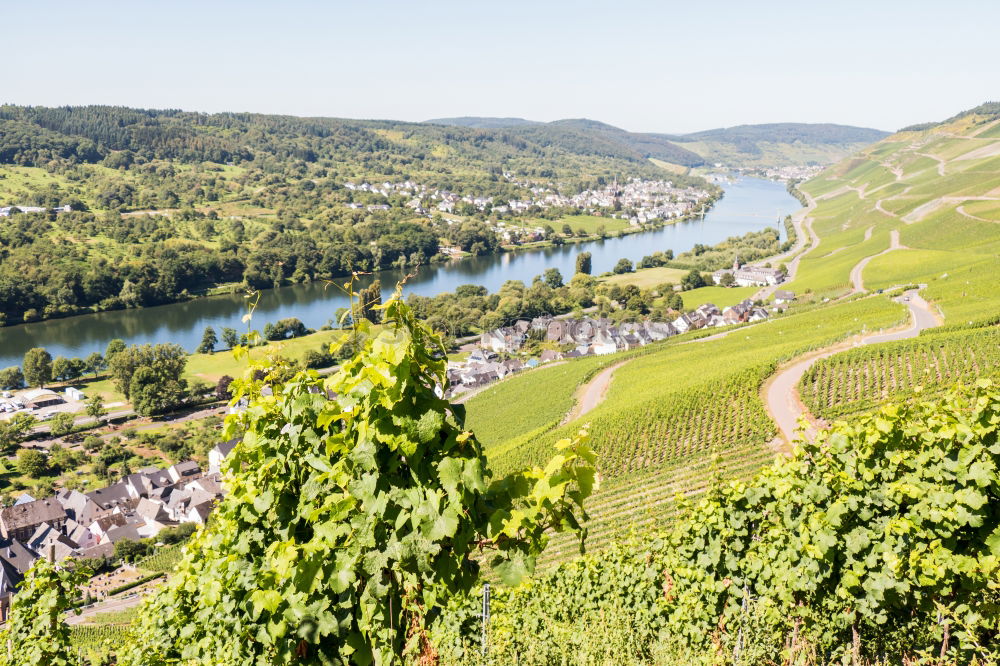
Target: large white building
x,y
750,276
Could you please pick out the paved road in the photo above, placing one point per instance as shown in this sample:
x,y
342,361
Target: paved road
x,y
781,394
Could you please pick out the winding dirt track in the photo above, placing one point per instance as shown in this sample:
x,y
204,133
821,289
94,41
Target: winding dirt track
x,y
857,281
781,394
591,394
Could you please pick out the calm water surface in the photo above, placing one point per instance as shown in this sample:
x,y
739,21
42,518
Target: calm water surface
x,y
749,205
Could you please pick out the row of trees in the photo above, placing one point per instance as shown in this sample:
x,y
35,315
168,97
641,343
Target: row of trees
x,y
39,368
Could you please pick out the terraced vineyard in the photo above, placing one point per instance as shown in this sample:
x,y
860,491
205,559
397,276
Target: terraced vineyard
x,y
639,501
669,411
489,413
940,189
864,378
162,561
98,641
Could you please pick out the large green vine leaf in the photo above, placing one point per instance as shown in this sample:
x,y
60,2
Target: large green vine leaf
x,y
352,519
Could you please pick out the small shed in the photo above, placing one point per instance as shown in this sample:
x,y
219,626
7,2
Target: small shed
x,y
74,393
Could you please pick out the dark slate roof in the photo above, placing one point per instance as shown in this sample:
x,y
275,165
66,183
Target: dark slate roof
x,y
226,447
34,513
10,578
112,496
17,555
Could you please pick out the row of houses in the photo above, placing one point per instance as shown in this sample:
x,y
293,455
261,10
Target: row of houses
x,y
585,337
645,200
6,211
85,525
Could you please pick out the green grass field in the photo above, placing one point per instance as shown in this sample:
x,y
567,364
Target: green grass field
x,y
721,296
648,278
590,223
488,413
210,367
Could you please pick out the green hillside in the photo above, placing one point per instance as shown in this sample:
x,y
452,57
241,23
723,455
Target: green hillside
x,y
165,203
766,145
711,539
672,411
779,144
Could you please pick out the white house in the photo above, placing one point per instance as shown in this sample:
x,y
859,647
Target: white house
x,y
219,453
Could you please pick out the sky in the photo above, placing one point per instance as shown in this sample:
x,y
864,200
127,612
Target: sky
x,y
658,66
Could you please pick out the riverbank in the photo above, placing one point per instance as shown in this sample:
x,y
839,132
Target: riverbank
x,y
749,205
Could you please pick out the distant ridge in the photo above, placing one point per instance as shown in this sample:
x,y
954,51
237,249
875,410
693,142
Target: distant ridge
x,y
769,144
480,122
791,132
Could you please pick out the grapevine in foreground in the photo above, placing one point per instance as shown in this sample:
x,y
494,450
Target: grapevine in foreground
x,y
36,632
352,519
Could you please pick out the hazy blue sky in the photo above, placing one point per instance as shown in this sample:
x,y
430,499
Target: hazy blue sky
x,y
647,66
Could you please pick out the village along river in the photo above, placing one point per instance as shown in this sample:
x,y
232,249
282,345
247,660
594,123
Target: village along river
x,y
749,205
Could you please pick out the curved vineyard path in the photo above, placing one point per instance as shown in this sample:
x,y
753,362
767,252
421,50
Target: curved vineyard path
x,y
781,393
591,394
857,282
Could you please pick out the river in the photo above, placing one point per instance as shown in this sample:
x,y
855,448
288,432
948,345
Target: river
x,y
749,205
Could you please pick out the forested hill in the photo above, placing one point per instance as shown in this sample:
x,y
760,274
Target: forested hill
x,y
35,136
790,133
482,122
772,144
116,207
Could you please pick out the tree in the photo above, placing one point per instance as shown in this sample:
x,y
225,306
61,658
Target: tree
x,y
61,424
727,280
129,550
553,278
675,302
208,341
693,280
13,430
11,378
95,363
567,230
153,393
368,300
95,407
36,625
583,263
230,337
167,361
602,231
37,366
115,346
31,463
624,266
63,459
369,535
62,368
222,388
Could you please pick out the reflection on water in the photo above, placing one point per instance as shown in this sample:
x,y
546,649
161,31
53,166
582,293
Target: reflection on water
x,y
748,205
